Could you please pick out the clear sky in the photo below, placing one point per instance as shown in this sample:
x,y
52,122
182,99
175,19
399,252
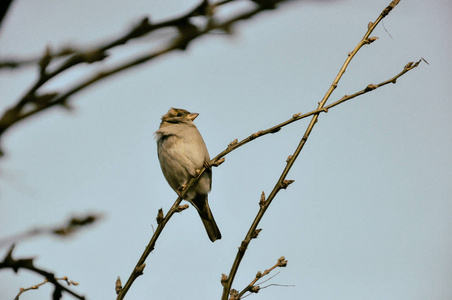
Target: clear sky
x,y
369,214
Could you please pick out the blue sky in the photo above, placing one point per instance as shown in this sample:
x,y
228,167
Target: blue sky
x,y
369,214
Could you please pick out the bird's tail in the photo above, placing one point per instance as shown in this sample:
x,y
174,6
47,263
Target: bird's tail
x,y
202,206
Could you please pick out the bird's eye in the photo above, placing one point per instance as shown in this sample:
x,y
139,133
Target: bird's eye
x,y
179,114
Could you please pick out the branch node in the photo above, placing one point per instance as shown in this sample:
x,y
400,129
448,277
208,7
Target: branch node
x,y
256,233
289,158
118,285
159,216
370,87
233,143
370,40
181,207
282,262
258,275
286,183
244,245
219,162
255,289
234,295
370,25
224,279
45,61
275,130
296,115
262,200
256,134
139,270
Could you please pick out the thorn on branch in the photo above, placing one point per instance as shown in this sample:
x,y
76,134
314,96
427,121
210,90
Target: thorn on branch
x,y
202,10
256,233
94,56
258,275
370,25
275,130
141,29
296,115
234,295
45,61
286,183
66,105
255,289
412,65
181,207
256,134
219,162
42,100
159,216
282,262
370,87
390,7
370,40
139,270
74,224
187,32
118,285
224,279
244,245
262,200
233,143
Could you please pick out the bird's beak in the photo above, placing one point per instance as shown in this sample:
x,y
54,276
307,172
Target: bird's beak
x,y
192,116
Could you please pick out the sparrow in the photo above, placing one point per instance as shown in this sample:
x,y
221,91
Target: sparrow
x,y
181,151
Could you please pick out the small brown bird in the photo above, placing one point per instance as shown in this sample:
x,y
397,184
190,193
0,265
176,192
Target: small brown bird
x,y
181,151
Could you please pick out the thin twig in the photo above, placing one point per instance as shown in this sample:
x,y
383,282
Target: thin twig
x,y
252,287
27,263
68,228
188,32
36,286
282,183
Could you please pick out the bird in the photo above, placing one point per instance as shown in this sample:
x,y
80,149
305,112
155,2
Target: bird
x,y
181,152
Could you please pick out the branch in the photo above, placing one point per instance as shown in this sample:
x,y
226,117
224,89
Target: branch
x,y
219,159
33,102
252,287
68,228
282,182
27,263
36,286
161,221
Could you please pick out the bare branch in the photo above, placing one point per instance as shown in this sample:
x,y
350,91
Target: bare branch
x,y
33,102
291,160
27,263
36,286
70,227
252,287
